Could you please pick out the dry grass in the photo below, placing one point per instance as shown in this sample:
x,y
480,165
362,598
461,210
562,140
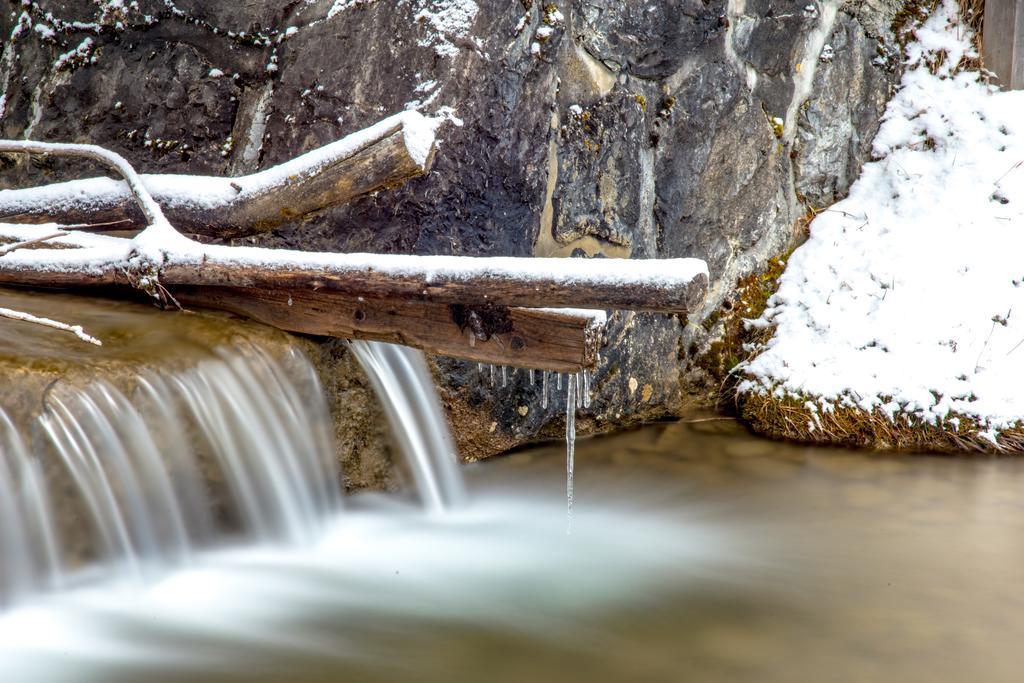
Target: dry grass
x,y
915,12
973,12
789,418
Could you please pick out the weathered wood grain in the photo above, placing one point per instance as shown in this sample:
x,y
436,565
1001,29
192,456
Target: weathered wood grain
x,y
1003,42
543,339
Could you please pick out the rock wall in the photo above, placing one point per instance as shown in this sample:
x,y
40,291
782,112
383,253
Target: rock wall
x,y
586,128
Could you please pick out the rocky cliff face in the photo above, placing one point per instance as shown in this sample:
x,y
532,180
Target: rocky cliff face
x,y
586,128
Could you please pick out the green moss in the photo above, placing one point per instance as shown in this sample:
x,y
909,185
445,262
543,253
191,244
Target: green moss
x,y
731,348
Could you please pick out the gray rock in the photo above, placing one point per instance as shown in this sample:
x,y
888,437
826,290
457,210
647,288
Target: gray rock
x,y
842,113
587,128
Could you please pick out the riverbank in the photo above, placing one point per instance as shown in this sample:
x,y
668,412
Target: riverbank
x,y
900,322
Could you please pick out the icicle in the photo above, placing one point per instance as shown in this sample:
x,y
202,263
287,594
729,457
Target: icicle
x,y
504,376
570,446
472,340
586,389
558,381
481,368
544,381
531,377
492,374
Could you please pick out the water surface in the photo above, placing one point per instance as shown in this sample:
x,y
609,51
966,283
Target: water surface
x,y
697,553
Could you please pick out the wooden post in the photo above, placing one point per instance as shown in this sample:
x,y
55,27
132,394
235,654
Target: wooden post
x,y
1003,42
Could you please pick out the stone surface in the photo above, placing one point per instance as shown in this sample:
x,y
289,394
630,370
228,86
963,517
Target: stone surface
x,y
840,119
586,128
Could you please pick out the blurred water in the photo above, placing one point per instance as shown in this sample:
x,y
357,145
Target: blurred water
x,y
697,553
406,390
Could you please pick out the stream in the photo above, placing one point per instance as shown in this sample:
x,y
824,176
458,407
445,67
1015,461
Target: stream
x,y
697,552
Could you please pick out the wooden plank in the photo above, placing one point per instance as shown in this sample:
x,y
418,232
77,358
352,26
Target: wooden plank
x,y
544,339
1003,42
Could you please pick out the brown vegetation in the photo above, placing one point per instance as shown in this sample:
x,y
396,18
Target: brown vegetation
x,y
793,419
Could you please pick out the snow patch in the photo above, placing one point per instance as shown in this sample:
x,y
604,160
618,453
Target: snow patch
x,y
908,297
447,23
342,5
78,55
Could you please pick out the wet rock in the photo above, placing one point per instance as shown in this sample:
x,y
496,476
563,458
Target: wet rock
x,y
582,128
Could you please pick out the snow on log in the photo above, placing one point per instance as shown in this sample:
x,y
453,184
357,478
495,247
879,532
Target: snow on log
x,y
382,156
662,285
454,305
562,340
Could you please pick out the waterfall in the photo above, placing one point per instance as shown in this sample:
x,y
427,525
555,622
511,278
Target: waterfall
x,y
237,449
403,383
28,548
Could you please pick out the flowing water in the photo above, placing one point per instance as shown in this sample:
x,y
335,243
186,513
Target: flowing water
x,y
406,390
222,550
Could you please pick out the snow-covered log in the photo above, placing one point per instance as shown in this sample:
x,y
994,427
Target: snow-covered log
x,y
665,285
454,305
382,156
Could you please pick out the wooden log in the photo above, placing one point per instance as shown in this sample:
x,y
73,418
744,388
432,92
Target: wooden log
x,y
564,341
475,282
1003,42
445,304
377,158
661,285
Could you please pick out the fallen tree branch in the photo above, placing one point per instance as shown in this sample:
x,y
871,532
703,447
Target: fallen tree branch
x,y
138,193
76,330
446,304
382,156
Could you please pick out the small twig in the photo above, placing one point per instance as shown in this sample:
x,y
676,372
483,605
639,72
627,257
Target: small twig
x,y
1017,346
29,318
845,213
108,226
706,419
1012,169
150,209
977,363
8,248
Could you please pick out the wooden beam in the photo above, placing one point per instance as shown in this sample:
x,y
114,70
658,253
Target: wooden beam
x,y
381,157
1003,42
564,341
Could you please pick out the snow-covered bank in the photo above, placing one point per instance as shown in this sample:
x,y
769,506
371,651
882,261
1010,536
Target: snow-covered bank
x,y
907,302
